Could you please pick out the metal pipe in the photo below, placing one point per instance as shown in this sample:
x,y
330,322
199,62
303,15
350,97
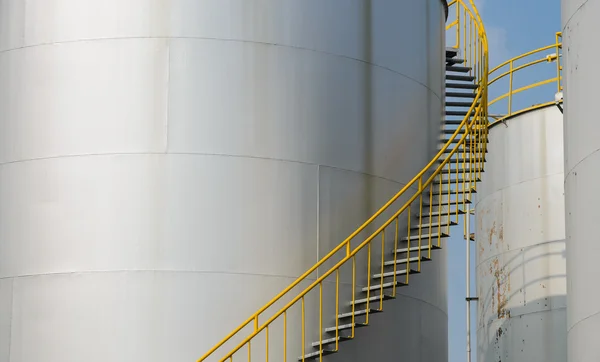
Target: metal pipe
x,y
468,272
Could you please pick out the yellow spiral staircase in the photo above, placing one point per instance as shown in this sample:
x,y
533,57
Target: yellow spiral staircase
x,y
379,253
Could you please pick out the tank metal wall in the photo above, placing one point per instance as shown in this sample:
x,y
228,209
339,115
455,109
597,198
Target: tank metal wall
x,y
166,167
582,175
521,262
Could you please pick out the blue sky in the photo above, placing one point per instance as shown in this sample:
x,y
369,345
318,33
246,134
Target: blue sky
x,y
513,27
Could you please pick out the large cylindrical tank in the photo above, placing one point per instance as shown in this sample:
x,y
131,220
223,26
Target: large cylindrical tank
x,y
581,51
168,166
521,265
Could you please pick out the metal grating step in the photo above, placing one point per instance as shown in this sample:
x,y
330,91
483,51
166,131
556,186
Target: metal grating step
x,y
406,260
316,354
436,225
358,313
417,248
458,77
452,61
462,85
444,213
391,274
461,95
457,68
458,104
390,284
330,340
457,139
423,236
371,299
345,326
451,203
460,171
455,113
451,131
467,161
451,52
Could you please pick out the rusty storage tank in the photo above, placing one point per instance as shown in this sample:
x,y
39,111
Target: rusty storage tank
x,y
169,166
521,265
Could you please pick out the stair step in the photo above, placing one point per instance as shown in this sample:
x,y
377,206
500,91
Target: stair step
x,y
443,213
358,313
458,104
462,85
316,354
342,327
456,139
468,148
459,171
406,260
374,298
452,122
451,61
391,274
451,203
451,131
461,95
331,340
457,68
451,52
454,181
460,192
424,236
460,160
435,225
455,113
417,248
459,77
390,284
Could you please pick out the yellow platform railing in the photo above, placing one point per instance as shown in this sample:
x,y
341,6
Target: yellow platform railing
x,y
266,333
510,68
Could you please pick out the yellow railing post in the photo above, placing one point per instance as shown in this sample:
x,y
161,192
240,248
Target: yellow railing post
x,y
558,66
510,89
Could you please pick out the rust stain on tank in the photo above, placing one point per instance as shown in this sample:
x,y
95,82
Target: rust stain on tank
x,y
502,289
501,233
492,233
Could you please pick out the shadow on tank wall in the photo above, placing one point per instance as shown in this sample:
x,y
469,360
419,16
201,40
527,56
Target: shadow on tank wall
x,y
522,305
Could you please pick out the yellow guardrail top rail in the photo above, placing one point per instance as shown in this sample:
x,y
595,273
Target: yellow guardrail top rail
x,y
405,222
509,99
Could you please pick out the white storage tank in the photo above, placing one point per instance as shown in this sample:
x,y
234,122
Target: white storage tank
x,y
580,29
168,166
521,261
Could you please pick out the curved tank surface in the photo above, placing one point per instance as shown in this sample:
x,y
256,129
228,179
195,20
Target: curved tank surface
x,y
167,167
582,175
521,262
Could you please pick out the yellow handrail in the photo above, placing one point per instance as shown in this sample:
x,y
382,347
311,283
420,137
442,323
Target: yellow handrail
x,y
469,141
512,69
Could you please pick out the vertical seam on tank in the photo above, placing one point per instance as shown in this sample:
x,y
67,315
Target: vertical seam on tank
x,y
318,211
12,304
168,96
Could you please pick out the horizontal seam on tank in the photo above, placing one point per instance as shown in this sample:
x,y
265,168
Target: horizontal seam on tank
x,y
580,162
173,271
519,315
515,184
229,40
197,154
583,320
574,13
524,247
193,272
